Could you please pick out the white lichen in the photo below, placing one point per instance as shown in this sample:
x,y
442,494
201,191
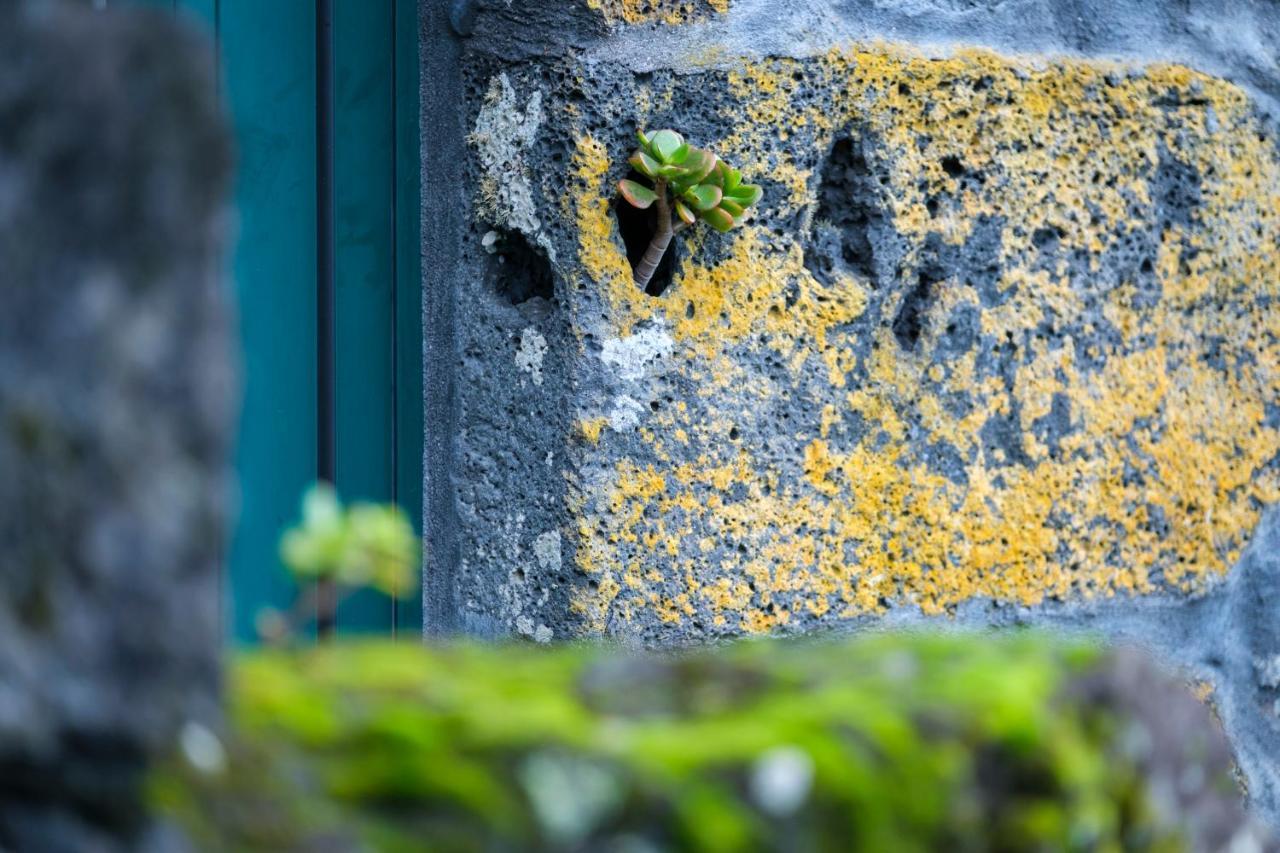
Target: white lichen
x,y
633,357
538,633
503,134
529,355
546,550
625,414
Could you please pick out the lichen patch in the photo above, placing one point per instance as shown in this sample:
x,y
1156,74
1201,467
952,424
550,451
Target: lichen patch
x,y
1035,365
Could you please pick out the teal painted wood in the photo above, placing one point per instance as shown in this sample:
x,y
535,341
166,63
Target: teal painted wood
x,y
204,11
268,64
408,305
364,238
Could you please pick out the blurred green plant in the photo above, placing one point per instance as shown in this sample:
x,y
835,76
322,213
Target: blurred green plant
x,y
946,742
334,551
690,182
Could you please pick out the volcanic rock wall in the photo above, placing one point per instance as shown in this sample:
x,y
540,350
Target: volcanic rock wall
x,y
999,346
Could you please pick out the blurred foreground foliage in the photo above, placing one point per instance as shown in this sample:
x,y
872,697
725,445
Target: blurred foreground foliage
x,y
881,743
336,550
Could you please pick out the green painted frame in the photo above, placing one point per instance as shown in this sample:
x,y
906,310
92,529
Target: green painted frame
x,y
268,71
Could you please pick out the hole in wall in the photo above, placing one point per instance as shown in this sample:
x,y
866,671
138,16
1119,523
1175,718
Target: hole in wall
x,y
953,166
521,271
909,322
848,216
636,228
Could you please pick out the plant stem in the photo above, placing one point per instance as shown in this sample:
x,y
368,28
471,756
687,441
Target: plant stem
x,y
661,239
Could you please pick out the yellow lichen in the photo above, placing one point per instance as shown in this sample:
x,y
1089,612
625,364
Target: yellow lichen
x,y
590,428
671,12
1168,460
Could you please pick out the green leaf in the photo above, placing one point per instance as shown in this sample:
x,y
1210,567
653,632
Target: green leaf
x,y
681,154
682,182
718,219
716,176
732,207
670,172
637,195
700,163
384,546
644,140
746,194
666,144
644,164
685,214
704,196
732,178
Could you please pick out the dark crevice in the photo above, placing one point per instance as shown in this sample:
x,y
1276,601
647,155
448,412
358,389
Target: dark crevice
x,y
907,325
848,217
953,166
1048,238
637,228
909,322
522,272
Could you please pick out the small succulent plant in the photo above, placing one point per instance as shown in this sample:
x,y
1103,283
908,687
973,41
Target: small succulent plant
x,y
691,183
335,550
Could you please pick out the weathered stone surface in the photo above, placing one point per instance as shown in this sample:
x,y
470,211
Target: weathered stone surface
x,y
1001,329
115,403
999,346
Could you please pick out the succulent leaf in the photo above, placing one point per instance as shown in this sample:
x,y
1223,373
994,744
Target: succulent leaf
x,y
704,196
644,164
700,164
682,183
719,219
666,144
731,207
746,194
716,176
637,195
686,215
701,185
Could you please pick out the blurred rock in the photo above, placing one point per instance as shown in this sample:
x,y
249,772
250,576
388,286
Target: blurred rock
x,y
116,402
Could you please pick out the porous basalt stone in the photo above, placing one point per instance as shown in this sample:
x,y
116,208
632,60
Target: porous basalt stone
x,y
995,325
999,346
671,12
116,397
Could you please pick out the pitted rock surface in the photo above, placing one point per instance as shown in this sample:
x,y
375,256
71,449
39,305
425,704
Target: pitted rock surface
x,y
999,346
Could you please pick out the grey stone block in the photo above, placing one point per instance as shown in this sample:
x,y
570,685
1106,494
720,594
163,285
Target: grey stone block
x,y
998,348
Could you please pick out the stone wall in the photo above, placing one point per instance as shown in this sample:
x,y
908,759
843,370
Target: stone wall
x,y
115,413
999,346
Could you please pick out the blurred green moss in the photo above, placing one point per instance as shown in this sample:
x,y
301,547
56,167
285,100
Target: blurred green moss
x,y
881,743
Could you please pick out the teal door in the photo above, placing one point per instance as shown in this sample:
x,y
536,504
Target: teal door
x,y
325,271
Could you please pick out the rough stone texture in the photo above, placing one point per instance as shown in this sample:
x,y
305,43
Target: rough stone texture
x,y
999,346
115,397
